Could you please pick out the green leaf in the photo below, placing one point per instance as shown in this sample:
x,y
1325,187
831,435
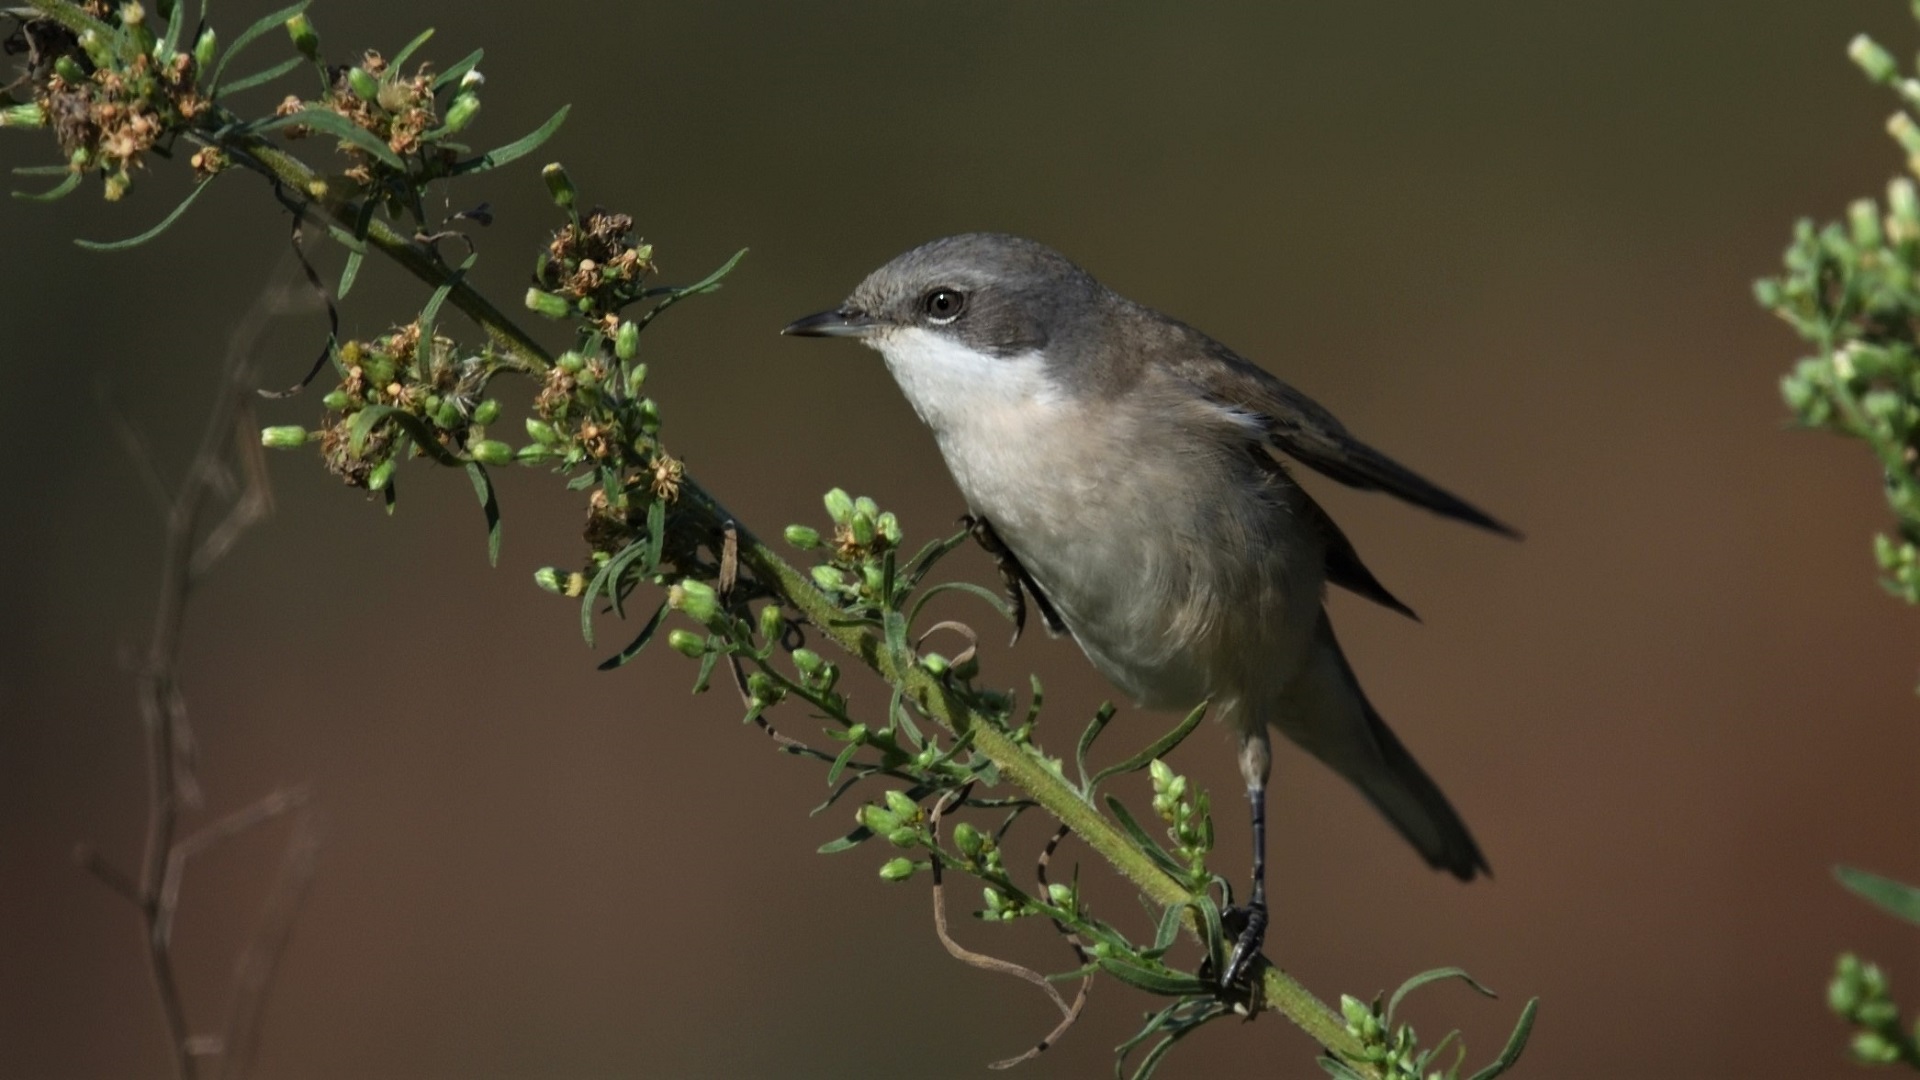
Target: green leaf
x,y
432,311
997,603
1154,980
41,170
1146,843
456,72
852,840
935,550
1099,724
371,416
633,647
248,36
58,191
704,285
332,123
895,626
656,533
176,22
1516,1043
841,762
1159,748
260,78
1900,901
1168,931
1427,977
1338,1069
411,48
516,149
483,487
165,222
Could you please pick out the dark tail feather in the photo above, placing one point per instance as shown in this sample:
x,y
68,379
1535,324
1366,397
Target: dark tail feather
x,y
1410,799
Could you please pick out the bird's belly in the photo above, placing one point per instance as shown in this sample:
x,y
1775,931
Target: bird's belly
x,y
1180,578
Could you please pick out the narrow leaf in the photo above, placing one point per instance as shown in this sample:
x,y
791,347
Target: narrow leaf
x,y
851,840
58,191
40,170
1099,724
1426,977
456,72
996,602
252,33
516,149
1900,901
840,763
706,284
633,648
432,310
1515,1044
656,534
1162,981
165,222
259,78
1159,748
170,41
332,123
483,487
411,48
935,550
1146,843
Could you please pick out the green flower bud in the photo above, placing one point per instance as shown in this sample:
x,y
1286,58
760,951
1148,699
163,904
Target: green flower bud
x,y
872,577
571,362
897,870
305,38
626,340
890,528
864,505
827,579
531,452
204,49
696,598
839,506
1903,201
636,378
446,415
687,643
902,807
858,734
1354,1010
546,303
878,819
969,840
649,416
1872,59
934,663
381,476
23,116
548,578
906,836
491,452
337,400
69,69
773,622
862,527
808,661
283,438
802,537
1162,774
559,184
461,113
1863,219
762,689
542,432
1877,1014
97,47
1061,894
486,412
1871,1046
364,85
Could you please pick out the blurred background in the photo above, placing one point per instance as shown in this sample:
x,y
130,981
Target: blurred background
x,y
1509,243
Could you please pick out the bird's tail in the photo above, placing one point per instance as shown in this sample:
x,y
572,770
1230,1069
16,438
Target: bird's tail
x,y
1328,715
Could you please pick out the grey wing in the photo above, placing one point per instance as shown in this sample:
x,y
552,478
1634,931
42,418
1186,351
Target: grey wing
x,y
1298,427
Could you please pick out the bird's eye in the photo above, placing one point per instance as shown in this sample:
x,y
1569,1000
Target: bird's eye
x,y
944,305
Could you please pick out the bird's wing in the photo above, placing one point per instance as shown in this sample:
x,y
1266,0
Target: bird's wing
x,y
1298,427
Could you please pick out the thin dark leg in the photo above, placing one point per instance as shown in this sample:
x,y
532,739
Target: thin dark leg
x,y
1255,763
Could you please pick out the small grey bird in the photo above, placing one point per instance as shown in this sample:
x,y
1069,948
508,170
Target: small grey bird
x,y
1122,459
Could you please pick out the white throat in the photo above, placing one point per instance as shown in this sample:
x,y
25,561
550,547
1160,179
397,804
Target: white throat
x,y
963,394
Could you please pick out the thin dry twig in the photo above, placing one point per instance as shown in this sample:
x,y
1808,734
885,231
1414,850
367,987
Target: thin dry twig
x,y
226,469
1068,1013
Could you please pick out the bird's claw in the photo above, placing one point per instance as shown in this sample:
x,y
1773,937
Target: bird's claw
x,y
1246,947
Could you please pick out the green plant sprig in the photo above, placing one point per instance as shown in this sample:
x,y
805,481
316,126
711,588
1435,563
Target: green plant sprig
x,y
113,91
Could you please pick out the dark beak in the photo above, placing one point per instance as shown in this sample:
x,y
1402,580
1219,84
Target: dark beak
x,y
844,322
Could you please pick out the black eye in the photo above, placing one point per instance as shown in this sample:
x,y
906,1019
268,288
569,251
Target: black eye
x,y
944,305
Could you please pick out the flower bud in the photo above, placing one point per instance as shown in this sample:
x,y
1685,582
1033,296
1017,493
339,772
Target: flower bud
x,y
559,185
773,622
381,476
890,528
283,438
461,113
864,505
687,643
546,303
935,664
548,578
1873,1047
542,432
878,819
472,79
336,400
906,836
897,870
902,807
626,340
571,362
446,415
486,412
839,506
802,537
969,840
364,85
1872,59
863,529
305,38
204,49
827,579
23,116
808,661
695,598
491,452
636,378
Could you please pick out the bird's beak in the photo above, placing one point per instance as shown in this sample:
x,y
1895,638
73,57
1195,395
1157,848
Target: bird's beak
x,y
843,322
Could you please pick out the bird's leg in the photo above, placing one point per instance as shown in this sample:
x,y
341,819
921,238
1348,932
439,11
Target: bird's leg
x,y
1256,762
1013,576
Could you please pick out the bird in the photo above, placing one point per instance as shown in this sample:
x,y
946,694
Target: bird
x,y
1125,465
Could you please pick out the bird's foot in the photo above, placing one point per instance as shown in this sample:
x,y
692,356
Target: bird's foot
x,y
1250,922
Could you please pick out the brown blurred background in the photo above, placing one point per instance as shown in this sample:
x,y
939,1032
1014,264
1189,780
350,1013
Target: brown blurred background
x,y
1510,243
